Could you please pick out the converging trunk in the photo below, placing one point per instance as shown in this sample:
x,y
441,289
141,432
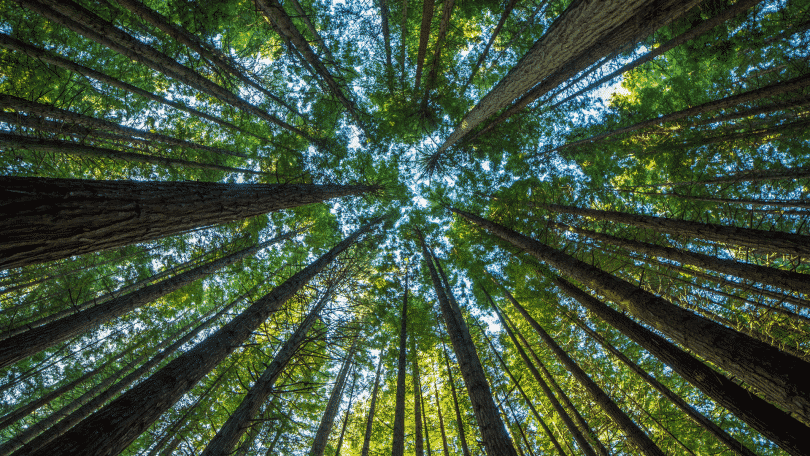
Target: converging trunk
x,y
398,445
333,405
372,408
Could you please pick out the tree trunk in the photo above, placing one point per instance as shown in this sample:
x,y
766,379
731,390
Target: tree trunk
x,y
441,421
510,5
767,241
419,449
403,35
389,66
770,421
775,374
755,175
637,436
51,219
424,37
779,278
53,59
447,12
493,432
372,409
311,27
40,338
425,421
346,418
398,445
459,422
802,204
333,405
114,427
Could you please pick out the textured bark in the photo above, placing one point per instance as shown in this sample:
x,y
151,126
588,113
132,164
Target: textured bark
x,y
779,278
695,31
284,23
772,90
582,34
372,408
84,22
730,442
238,423
517,424
53,59
40,338
13,141
398,445
419,448
424,37
777,375
441,422
493,432
465,450
333,405
90,124
510,5
447,12
119,423
50,219
768,241
634,434
767,419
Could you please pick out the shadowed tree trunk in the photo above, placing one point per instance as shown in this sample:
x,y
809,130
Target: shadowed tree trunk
x,y
441,422
430,82
493,432
398,445
419,449
459,422
372,408
504,15
776,375
333,405
40,338
425,425
314,31
424,37
403,36
757,175
346,418
50,219
802,204
119,423
389,66
770,421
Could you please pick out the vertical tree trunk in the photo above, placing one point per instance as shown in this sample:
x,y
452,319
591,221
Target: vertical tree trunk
x,y
504,15
756,175
441,421
493,432
346,418
398,445
40,338
114,427
425,425
403,36
769,420
430,82
389,66
419,449
775,374
424,37
333,405
372,408
51,219
459,422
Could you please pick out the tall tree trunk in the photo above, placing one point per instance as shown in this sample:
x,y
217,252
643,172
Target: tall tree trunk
x,y
767,241
403,36
51,219
510,5
419,449
637,436
311,27
372,408
53,59
755,175
493,432
229,434
333,405
770,421
389,66
441,422
40,338
447,12
425,425
424,37
778,376
802,204
114,427
398,445
348,415
779,278
459,422
582,34
704,422
84,22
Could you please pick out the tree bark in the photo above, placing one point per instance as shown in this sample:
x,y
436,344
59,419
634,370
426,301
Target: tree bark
x,y
403,35
447,12
441,422
419,449
459,422
768,241
398,445
770,421
114,427
424,420
510,5
372,408
311,27
51,219
40,338
346,418
493,432
333,405
775,374
424,37
755,175
802,204
389,66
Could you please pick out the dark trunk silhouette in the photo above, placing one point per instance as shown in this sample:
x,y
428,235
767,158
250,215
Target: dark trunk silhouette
x,y
441,422
332,406
430,81
424,36
504,15
372,408
419,449
398,445
465,450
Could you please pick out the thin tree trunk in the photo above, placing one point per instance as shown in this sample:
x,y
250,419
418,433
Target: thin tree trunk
x,y
637,436
775,374
779,278
398,445
425,425
768,241
441,421
770,421
40,338
50,219
372,409
84,22
757,175
389,66
510,5
419,449
403,36
228,436
447,12
53,59
803,204
333,405
459,422
493,432
13,141
114,427
311,27
346,418
424,37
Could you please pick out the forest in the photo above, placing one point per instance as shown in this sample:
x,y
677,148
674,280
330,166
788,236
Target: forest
x,y
422,227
